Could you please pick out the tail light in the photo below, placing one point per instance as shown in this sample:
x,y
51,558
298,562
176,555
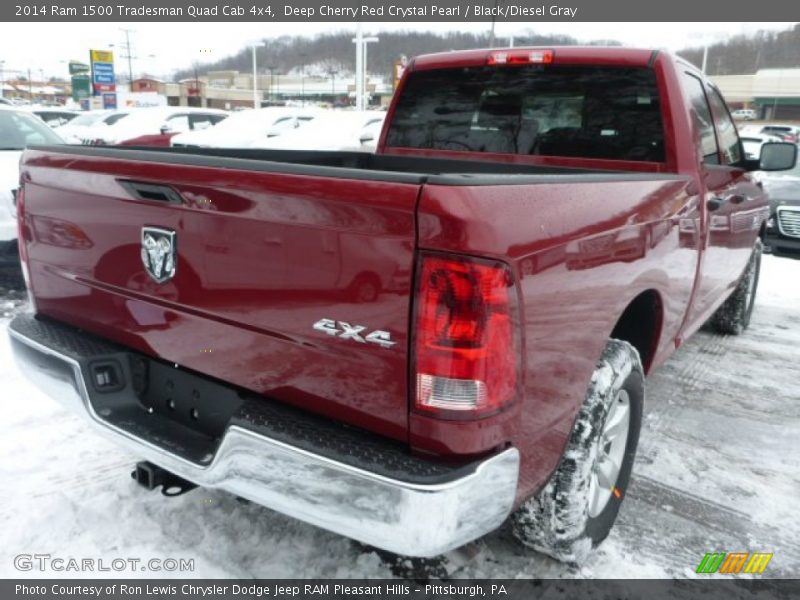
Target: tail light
x,y
520,57
467,346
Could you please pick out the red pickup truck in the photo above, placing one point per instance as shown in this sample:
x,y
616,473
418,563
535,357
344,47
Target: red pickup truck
x,y
407,348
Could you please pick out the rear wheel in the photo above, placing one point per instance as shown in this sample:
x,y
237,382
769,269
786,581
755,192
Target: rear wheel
x,y
733,317
577,508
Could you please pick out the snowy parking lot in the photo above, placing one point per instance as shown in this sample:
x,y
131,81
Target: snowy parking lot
x,y
717,470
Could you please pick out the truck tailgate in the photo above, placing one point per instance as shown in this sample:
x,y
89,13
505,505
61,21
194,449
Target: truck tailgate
x,y
261,257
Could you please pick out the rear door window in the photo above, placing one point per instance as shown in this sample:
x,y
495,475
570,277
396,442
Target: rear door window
x,y
573,111
178,123
203,120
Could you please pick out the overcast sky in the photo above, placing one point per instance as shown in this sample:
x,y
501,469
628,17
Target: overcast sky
x,y
163,47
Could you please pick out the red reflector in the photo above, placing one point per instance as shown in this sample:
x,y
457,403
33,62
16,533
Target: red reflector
x,y
22,230
521,57
467,337
23,237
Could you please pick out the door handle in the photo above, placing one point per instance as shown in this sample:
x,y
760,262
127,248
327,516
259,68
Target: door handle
x,y
715,203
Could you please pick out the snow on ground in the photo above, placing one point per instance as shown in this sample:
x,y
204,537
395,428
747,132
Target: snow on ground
x,y
716,471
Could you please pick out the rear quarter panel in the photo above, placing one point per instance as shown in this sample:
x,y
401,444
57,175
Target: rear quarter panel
x,y
581,252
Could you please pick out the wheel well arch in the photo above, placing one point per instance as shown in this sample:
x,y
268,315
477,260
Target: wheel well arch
x,y
640,325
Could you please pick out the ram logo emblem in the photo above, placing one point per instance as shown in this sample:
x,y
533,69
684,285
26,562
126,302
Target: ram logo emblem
x,y
159,253
346,331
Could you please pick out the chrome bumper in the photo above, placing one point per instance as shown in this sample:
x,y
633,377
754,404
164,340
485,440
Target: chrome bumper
x,y
402,517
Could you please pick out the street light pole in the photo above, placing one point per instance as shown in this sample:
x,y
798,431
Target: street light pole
x,y
303,79
196,86
271,70
361,65
332,72
256,101
366,41
359,42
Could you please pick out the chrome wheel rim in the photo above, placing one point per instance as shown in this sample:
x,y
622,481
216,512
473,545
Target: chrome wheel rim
x,y
610,453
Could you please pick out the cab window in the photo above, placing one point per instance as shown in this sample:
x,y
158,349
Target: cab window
x,y
701,113
726,130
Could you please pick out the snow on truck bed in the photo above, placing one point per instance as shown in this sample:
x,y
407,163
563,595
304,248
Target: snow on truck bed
x,y
716,471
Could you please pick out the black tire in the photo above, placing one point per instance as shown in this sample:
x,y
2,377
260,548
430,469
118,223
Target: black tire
x,y
558,521
11,278
733,317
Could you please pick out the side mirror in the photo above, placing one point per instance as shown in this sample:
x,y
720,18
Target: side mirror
x,y
778,156
165,129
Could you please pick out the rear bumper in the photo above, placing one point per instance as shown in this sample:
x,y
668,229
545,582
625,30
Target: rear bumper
x,y
781,244
380,497
782,238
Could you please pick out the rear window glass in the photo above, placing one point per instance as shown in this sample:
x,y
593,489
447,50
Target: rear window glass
x,y
111,119
591,112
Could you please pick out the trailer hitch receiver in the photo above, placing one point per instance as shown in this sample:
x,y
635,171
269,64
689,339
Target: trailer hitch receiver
x,y
151,476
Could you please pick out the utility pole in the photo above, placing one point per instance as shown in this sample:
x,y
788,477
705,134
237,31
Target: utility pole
x,y
128,54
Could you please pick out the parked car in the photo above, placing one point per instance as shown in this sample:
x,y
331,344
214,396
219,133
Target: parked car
x,y
18,129
788,133
53,117
175,125
782,231
744,114
86,127
370,134
155,121
332,130
752,144
248,126
570,217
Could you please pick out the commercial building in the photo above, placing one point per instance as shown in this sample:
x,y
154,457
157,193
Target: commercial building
x,y
773,93
231,89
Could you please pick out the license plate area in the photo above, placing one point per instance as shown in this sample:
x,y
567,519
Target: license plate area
x,y
181,396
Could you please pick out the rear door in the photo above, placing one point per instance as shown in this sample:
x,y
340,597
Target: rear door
x,y
258,297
